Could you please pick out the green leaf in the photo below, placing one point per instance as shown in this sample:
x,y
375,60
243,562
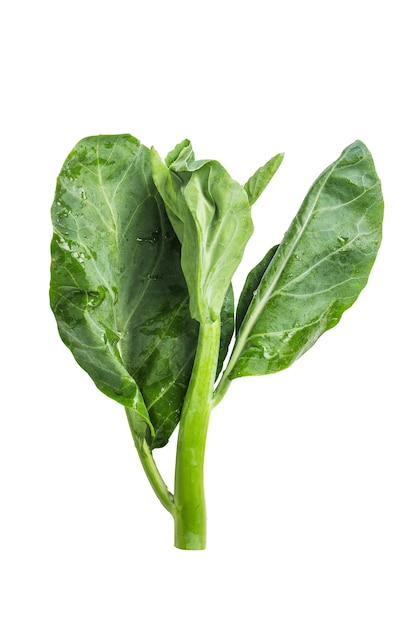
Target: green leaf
x,y
227,320
211,216
117,288
251,285
257,183
318,270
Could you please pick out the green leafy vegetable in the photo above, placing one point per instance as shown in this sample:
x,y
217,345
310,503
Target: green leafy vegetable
x,y
143,256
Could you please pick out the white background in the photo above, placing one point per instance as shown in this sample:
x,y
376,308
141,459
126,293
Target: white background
x,y
311,473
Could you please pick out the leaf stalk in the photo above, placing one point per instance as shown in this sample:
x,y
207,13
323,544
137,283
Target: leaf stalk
x,y
190,513
148,463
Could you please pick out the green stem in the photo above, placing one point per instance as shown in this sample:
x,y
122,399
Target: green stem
x,y
190,515
138,430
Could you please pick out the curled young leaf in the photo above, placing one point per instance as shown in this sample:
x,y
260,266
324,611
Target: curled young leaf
x,y
210,213
260,179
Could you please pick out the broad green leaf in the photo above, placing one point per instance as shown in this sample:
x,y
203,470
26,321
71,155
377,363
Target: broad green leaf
x,y
260,179
117,288
211,216
318,270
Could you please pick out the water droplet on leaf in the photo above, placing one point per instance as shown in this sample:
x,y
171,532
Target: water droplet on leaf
x,y
342,240
95,298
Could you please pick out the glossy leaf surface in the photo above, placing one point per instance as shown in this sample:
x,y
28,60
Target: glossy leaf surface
x,y
210,213
317,271
117,288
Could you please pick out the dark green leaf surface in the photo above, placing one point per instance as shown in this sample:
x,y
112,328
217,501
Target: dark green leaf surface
x,y
257,183
117,289
210,213
318,270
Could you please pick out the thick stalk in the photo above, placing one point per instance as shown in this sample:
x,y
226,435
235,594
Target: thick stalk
x,y
148,463
190,513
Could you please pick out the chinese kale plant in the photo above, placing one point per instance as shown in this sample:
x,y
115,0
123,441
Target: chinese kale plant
x,y
143,255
